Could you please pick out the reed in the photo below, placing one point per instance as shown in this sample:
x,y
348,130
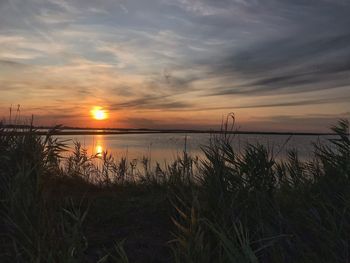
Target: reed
x,y
254,209
228,207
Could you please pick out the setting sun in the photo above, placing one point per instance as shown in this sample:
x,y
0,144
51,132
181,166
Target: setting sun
x,y
98,113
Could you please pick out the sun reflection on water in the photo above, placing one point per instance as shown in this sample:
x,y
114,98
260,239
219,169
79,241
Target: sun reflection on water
x,y
99,146
98,150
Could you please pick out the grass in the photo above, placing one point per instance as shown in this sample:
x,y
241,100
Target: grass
x,y
229,207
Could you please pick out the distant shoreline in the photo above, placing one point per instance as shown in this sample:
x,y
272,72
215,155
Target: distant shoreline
x,y
111,131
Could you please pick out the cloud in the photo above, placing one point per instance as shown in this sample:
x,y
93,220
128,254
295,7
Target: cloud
x,y
151,103
291,65
11,64
174,56
280,104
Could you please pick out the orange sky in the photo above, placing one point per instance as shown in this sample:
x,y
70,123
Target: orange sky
x,y
176,64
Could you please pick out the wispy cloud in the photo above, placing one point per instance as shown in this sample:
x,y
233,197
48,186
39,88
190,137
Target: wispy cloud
x,y
201,57
292,65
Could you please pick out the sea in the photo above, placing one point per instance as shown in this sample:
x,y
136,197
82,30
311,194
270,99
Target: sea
x,y
164,148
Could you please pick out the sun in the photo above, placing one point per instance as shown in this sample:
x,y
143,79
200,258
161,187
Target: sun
x,y
98,113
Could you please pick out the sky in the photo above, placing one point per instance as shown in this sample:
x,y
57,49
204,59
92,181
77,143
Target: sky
x,y
278,65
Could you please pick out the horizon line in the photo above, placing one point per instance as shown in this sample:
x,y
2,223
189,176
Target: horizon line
x,y
66,130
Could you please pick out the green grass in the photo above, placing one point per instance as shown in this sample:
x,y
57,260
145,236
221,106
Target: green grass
x,y
229,207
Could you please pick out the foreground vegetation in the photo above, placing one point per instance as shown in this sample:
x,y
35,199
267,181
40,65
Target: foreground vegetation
x,y
229,207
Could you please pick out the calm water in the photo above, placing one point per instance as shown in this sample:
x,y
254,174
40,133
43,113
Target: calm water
x,y
164,148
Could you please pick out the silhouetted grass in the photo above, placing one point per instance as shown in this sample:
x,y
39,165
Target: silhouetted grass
x,y
249,208
228,207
